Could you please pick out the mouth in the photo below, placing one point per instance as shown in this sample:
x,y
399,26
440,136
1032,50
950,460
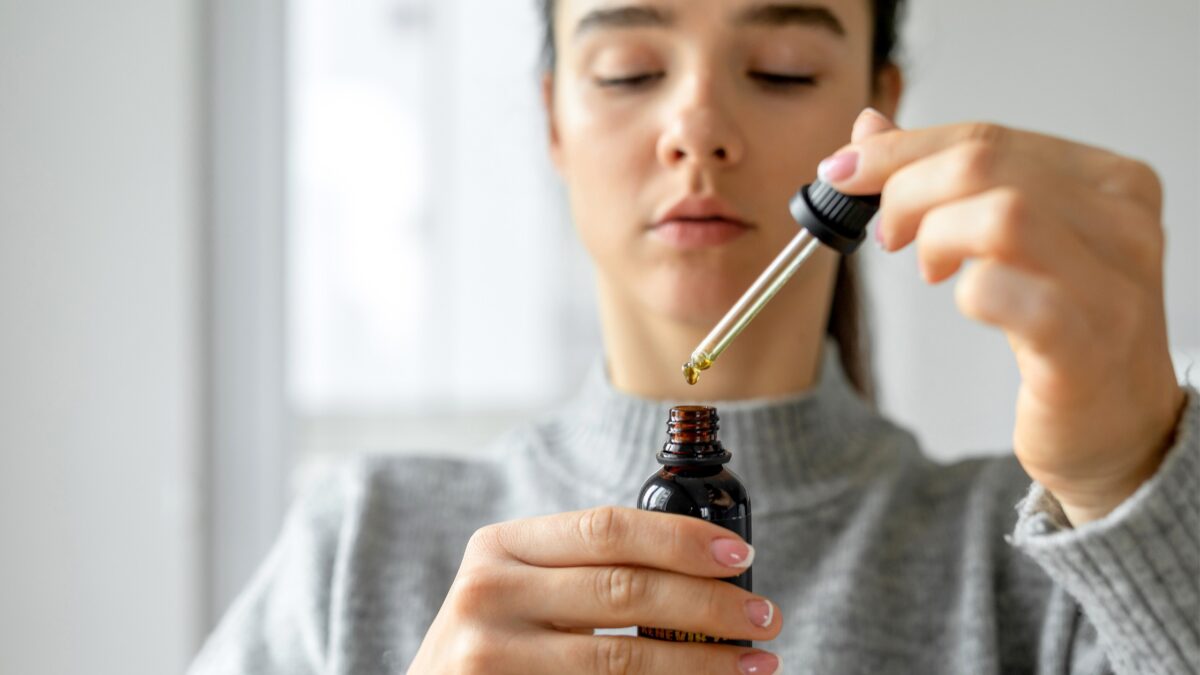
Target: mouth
x,y
699,222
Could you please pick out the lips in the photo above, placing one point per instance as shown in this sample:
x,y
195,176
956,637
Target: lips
x,y
699,221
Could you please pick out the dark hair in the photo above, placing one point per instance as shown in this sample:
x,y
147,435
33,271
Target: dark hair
x,y
847,317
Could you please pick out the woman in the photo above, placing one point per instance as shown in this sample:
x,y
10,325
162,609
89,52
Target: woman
x,y
681,128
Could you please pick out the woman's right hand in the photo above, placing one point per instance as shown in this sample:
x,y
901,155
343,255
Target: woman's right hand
x,y
530,592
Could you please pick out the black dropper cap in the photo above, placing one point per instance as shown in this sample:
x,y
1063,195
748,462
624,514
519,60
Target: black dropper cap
x,y
838,220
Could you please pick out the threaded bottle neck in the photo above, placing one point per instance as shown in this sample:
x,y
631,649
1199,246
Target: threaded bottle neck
x,y
692,437
693,424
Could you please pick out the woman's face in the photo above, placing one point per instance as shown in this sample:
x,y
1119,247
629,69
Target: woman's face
x,y
683,127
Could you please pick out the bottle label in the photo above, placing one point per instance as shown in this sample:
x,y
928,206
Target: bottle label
x,y
672,635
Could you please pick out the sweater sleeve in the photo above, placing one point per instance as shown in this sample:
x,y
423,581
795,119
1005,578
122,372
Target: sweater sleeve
x,y
1136,572
279,623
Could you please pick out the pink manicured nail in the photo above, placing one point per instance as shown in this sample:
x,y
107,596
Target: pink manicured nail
x,y
732,553
760,612
758,663
879,235
839,167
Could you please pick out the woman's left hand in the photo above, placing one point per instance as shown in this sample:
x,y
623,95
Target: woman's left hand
x,y
1068,248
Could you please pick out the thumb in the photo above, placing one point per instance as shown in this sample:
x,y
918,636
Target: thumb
x,y
870,122
842,164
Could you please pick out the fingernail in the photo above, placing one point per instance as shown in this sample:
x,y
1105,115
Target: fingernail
x,y
732,553
879,236
839,167
758,663
760,612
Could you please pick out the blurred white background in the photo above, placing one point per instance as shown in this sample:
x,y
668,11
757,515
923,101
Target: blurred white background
x,y
238,237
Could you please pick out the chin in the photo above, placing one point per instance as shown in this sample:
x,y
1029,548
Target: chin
x,y
693,296
700,295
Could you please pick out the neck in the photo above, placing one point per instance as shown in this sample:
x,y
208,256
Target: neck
x,y
778,353
793,451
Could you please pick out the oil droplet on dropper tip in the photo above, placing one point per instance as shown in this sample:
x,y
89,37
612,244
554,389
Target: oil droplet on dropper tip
x,y
691,369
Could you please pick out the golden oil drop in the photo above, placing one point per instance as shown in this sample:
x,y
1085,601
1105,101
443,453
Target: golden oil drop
x,y
691,369
690,373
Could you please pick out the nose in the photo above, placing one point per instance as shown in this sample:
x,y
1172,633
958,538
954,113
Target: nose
x,y
701,134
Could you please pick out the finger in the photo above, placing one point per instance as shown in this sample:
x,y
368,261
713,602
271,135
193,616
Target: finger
x,y
1032,310
841,164
617,596
878,157
612,535
962,170
999,225
610,654
870,122
1120,232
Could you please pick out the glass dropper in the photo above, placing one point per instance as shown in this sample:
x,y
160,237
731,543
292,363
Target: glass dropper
x,y
827,217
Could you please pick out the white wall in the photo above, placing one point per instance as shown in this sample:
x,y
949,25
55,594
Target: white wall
x,y
99,384
1112,73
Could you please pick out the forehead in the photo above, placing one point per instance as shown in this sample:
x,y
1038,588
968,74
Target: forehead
x,y
834,17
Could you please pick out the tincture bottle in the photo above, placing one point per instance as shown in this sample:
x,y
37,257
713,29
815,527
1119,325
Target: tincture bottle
x,y
694,481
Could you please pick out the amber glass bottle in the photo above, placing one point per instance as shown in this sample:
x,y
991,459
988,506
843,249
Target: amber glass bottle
x,y
695,482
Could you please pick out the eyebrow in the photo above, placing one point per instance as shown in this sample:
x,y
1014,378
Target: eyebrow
x,y
773,14
628,16
791,15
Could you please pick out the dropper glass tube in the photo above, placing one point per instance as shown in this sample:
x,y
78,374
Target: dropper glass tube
x,y
751,303
825,216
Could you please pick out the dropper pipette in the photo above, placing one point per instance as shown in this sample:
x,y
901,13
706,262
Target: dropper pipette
x,y
827,217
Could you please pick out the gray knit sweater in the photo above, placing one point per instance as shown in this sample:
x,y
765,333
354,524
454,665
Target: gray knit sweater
x,y
880,560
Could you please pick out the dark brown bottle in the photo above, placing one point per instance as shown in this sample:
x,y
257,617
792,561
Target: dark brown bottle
x,y
695,482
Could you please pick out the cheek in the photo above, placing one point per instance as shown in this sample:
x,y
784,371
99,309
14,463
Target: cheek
x,y
607,157
788,139
607,138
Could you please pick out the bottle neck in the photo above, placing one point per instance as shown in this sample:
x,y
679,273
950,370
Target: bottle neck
x,y
692,438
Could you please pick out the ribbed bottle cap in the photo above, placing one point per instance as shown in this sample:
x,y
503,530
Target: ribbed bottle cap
x,y
838,220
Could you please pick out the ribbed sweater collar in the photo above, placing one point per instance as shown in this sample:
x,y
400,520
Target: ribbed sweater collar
x,y
790,451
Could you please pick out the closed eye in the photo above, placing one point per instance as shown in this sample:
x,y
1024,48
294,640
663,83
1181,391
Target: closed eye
x,y
631,81
781,79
